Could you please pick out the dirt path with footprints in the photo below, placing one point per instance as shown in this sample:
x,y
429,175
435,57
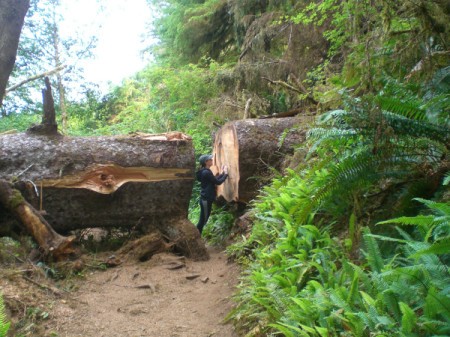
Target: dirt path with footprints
x,y
167,296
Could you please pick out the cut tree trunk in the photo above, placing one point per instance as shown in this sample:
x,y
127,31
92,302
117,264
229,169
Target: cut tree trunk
x,y
49,241
251,148
12,14
48,125
140,181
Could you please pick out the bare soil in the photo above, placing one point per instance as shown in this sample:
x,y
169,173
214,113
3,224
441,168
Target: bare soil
x,y
167,296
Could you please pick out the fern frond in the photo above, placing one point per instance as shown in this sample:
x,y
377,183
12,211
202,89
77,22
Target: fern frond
x,y
421,220
446,179
439,247
403,125
323,135
357,171
409,318
334,117
407,109
4,324
374,257
438,207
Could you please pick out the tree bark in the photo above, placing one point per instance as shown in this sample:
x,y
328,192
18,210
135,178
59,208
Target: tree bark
x,y
142,181
12,14
250,148
48,125
49,241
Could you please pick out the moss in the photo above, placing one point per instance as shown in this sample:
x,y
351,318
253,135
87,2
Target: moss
x,y
16,199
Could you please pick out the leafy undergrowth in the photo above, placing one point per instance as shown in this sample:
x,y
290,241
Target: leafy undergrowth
x,y
303,281
317,262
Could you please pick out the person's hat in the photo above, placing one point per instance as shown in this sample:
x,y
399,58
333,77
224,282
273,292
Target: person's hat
x,y
203,158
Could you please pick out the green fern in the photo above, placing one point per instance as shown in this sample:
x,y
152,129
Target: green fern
x,y
435,225
417,128
373,252
439,247
407,109
4,324
446,180
409,318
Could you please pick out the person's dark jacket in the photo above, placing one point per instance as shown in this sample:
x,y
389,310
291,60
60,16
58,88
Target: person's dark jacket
x,y
208,183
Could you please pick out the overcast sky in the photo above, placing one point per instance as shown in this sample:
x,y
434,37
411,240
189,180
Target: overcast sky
x,y
119,28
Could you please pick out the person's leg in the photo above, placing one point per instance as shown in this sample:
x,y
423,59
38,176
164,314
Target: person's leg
x,y
205,211
203,215
208,210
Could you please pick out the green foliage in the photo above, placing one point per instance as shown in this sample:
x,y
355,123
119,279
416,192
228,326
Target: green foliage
x,y
219,226
400,38
304,284
191,30
19,122
42,48
4,324
392,290
161,99
366,144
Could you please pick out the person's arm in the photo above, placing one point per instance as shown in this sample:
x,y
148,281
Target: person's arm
x,y
215,180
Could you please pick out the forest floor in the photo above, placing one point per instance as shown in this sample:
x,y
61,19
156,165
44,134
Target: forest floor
x,y
166,296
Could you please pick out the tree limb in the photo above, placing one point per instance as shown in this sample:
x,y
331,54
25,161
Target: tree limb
x,y
300,90
421,64
49,241
33,78
284,84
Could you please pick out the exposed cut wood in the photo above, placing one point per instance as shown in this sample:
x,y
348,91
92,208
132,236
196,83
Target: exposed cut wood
x,y
107,179
250,148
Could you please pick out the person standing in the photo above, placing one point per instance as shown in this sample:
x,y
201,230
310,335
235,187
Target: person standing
x,y
208,183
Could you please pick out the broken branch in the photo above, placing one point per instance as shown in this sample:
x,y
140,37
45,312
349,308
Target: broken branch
x,y
33,78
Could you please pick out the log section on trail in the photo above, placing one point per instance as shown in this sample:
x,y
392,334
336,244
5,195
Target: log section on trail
x,y
250,148
138,180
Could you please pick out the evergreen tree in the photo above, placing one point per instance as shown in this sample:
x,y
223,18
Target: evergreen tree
x,y
43,48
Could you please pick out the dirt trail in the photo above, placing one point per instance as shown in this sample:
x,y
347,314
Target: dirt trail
x,y
167,296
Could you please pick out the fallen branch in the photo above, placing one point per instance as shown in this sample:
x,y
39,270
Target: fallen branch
x,y
54,290
289,113
33,78
421,64
284,84
301,89
49,241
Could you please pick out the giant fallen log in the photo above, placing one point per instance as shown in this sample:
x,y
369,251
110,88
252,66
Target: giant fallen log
x,y
251,148
139,180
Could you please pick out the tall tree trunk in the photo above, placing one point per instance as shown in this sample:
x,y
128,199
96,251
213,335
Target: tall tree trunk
x,y
12,14
59,80
62,102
